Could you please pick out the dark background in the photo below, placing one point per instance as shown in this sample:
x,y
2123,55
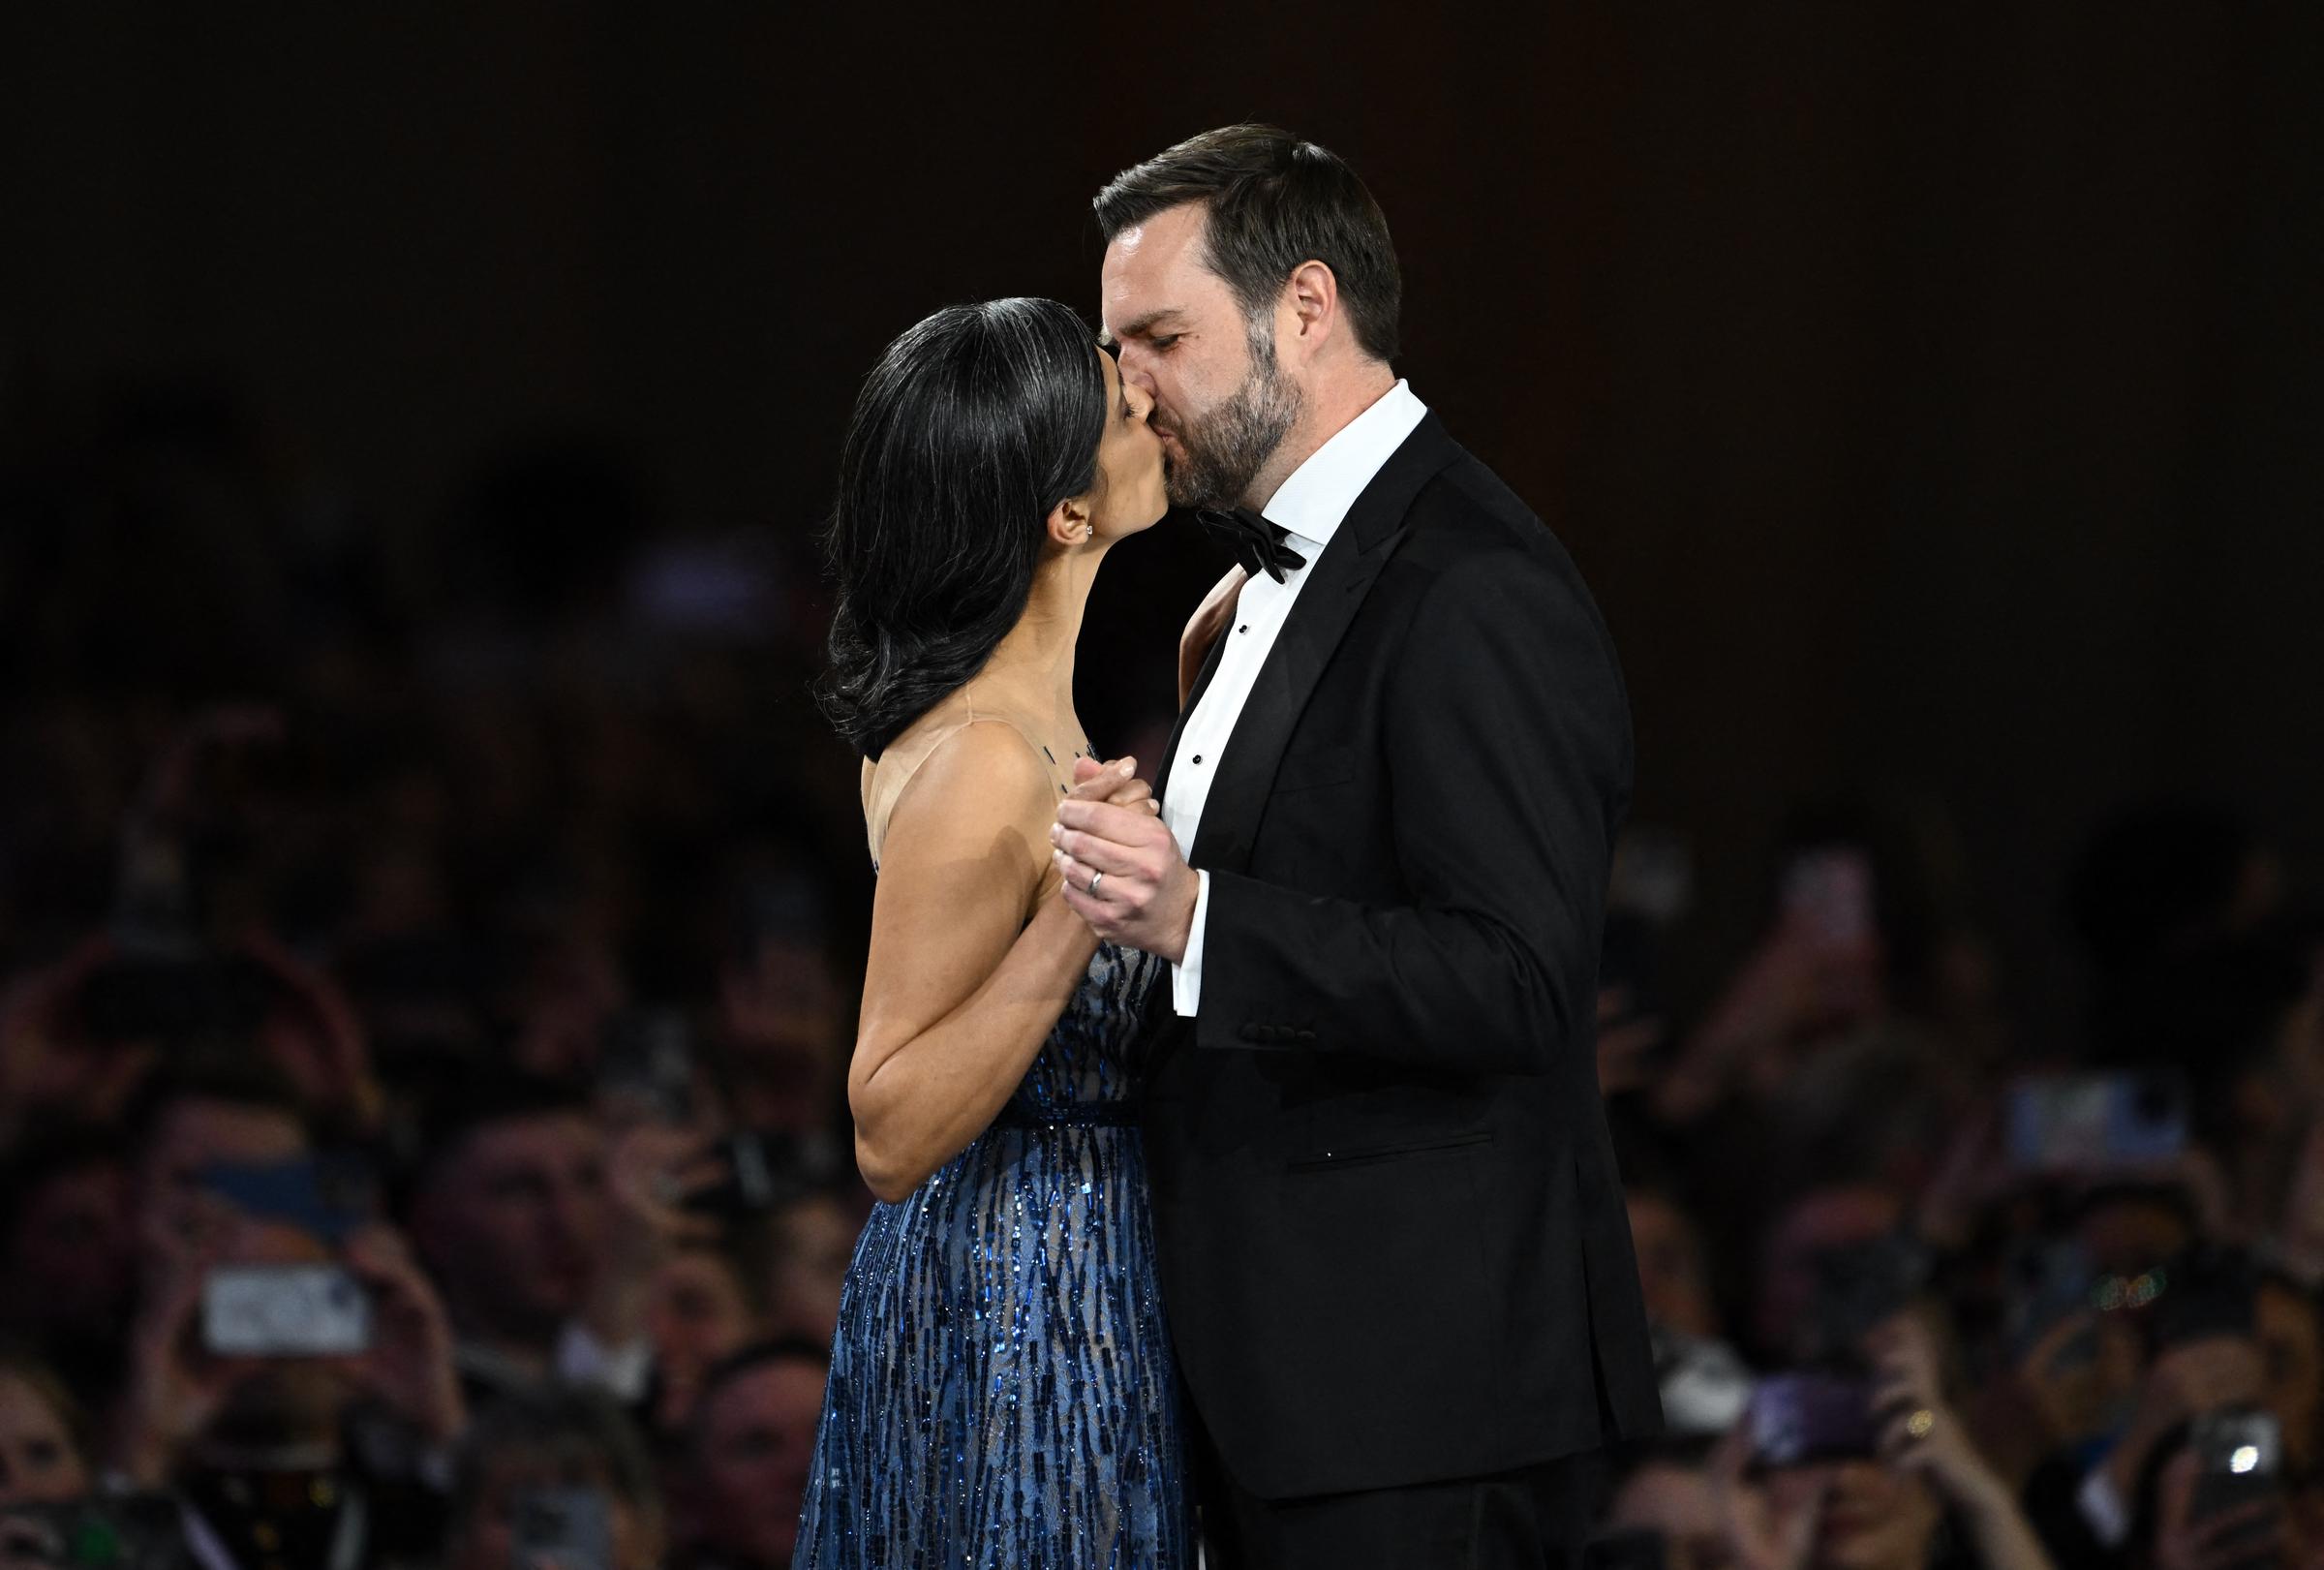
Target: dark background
x,y
1932,403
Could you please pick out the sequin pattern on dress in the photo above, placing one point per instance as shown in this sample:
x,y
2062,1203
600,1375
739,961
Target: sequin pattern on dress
x,y
1001,1389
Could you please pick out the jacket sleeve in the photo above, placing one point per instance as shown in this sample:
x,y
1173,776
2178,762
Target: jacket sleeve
x,y
1508,743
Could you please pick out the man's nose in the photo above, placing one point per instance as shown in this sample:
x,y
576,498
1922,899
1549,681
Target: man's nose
x,y
1132,364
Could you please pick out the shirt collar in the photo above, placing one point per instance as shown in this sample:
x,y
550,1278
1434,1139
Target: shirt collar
x,y
1316,498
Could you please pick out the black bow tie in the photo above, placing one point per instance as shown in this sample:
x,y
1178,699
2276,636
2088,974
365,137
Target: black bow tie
x,y
1257,544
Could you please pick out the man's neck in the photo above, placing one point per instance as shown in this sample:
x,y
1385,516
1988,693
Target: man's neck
x,y
1331,406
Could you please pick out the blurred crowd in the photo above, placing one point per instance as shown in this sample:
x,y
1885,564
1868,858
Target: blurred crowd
x,y
427,955
1925,1290
425,989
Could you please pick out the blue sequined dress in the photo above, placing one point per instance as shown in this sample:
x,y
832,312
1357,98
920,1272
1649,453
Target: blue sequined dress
x,y
1001,1389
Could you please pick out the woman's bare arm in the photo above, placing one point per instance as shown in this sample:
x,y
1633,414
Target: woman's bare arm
x,y
959,989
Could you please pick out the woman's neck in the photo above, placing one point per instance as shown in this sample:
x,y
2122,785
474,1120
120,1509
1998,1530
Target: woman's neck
x,y
1032,666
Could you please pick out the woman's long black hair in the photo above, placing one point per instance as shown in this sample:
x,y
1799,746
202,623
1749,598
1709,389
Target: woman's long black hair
x,y
970,431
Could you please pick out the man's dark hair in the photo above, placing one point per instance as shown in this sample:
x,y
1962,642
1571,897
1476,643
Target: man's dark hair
x,y
1272,201
488,1095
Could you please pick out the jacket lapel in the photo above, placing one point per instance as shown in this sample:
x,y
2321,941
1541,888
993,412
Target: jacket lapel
x,y
1319,619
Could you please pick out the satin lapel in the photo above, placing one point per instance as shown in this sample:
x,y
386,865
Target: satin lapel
x,y
1319,619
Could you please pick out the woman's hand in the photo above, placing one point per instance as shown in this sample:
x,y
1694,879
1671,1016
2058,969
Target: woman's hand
x,y
1920,1433
1114,781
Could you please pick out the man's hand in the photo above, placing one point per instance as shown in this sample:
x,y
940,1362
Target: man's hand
x,y
409,1365
1145,892
649,1173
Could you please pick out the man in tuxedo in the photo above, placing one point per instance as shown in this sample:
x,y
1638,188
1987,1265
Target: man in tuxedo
x,y
1394,1253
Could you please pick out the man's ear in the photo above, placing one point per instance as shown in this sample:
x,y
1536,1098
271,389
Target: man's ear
x,y
1313,295
1069,526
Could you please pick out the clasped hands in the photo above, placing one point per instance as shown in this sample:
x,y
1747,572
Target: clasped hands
x,y
1123,870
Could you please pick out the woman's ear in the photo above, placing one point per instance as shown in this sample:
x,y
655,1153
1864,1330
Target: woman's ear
x,y
1069,524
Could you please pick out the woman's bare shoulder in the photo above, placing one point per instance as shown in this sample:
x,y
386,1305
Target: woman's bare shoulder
x,y
982,781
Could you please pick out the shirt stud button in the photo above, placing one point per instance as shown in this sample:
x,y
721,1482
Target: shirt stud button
x,y
1198,757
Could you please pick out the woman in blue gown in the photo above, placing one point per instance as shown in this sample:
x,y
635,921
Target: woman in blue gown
x,y
1002,1390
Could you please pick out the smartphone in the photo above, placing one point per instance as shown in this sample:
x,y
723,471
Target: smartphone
x,y
564,1529
285,1311
130,1531
1804,1417
2239,1462
2079,1123
325,1196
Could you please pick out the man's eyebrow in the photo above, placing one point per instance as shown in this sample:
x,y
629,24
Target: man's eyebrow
x,y
1138,326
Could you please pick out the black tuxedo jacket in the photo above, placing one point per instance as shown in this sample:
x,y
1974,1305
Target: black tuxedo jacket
x,y
1394,1246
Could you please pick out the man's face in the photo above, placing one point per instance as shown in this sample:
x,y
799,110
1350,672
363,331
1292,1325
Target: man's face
x,y
758,1438
512,1222
1222,402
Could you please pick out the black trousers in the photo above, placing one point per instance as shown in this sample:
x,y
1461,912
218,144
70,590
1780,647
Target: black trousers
x,y
1534,1518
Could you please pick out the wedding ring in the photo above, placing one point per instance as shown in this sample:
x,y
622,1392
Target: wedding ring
x,y
1921,1423
1096,879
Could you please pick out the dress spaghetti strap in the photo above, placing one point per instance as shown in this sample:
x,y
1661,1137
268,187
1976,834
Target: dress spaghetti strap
x,y
885,782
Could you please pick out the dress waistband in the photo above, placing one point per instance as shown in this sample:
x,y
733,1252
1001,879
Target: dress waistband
x,y
1084,1115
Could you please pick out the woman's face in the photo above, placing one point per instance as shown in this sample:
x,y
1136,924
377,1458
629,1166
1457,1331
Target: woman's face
x,y
1129,496
37,1461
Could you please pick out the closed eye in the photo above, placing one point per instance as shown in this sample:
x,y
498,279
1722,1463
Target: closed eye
x,y
1161,341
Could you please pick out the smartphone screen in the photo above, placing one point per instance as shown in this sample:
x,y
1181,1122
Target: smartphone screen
x,y
285,1311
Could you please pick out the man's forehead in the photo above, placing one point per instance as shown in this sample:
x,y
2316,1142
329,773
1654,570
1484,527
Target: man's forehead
x,y
1144,272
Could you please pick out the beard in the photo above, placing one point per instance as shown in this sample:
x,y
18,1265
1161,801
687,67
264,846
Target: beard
x,y
1228,446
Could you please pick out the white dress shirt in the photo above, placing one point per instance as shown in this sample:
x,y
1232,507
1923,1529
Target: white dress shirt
x,y
1309,506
